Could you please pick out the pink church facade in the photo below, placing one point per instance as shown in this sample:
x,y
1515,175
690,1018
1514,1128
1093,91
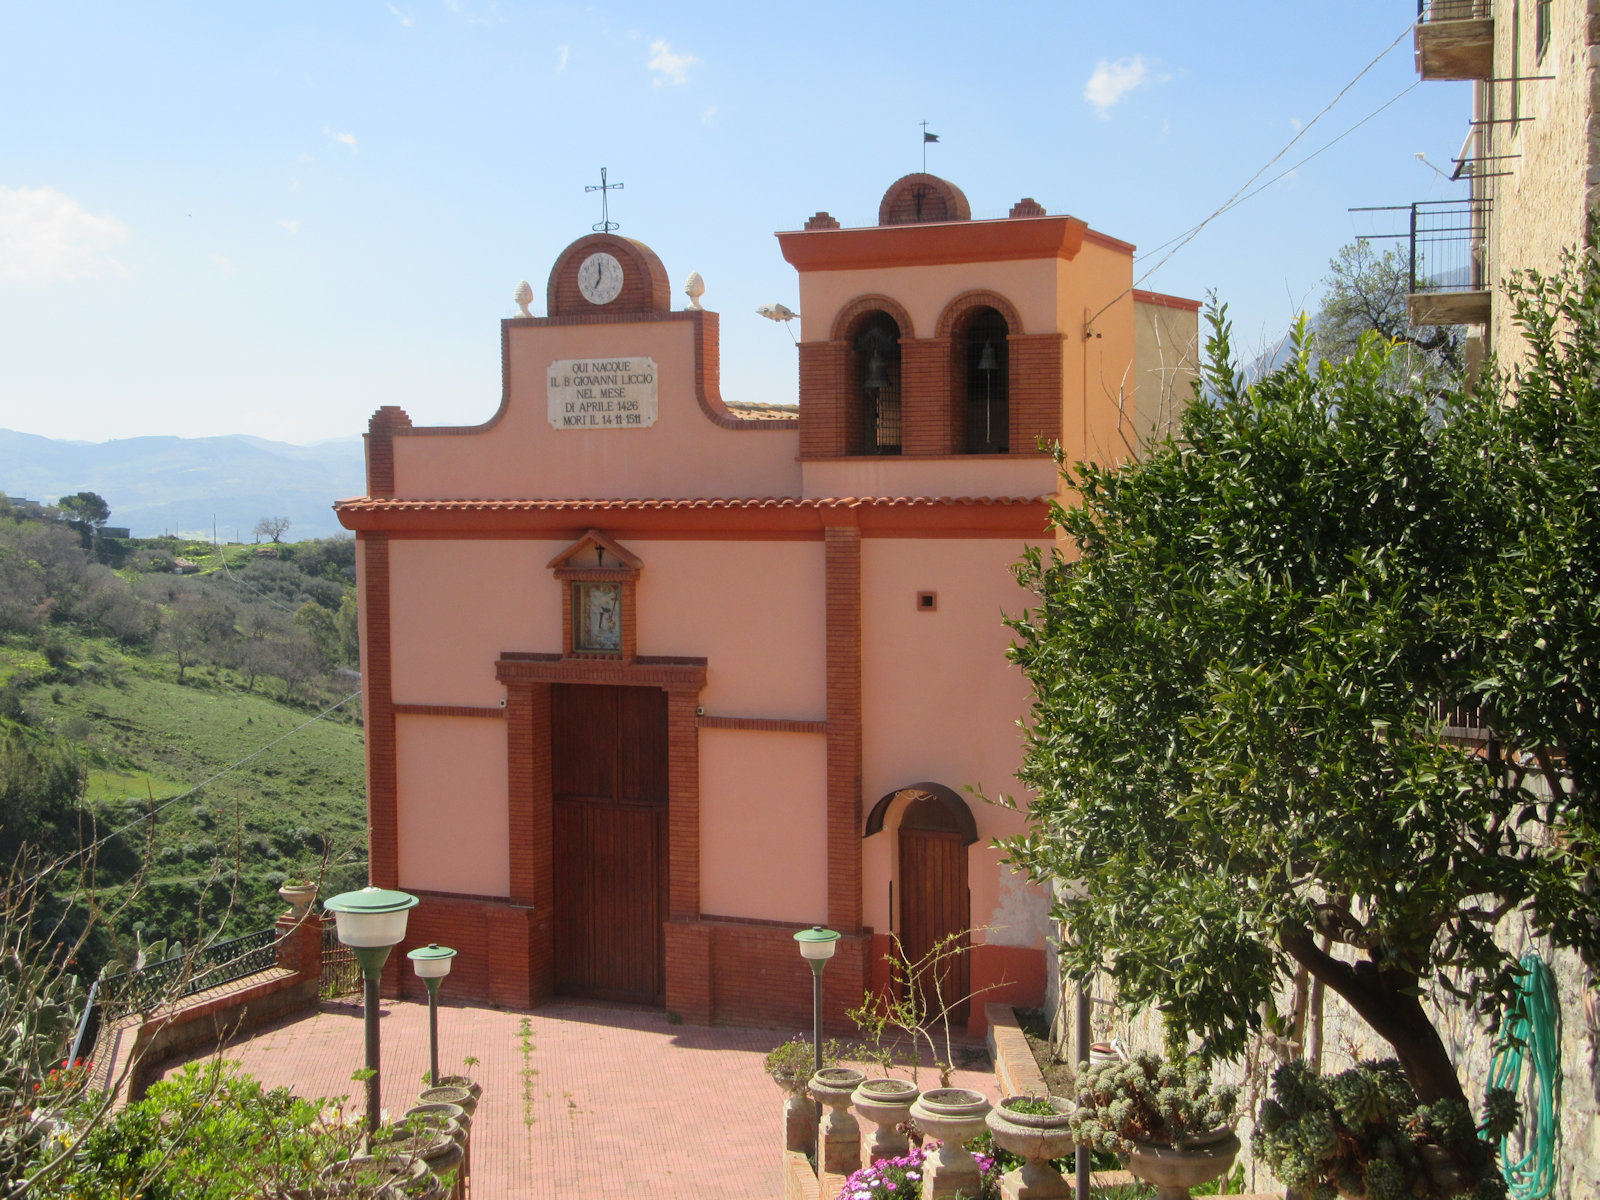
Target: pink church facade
x,y
653,680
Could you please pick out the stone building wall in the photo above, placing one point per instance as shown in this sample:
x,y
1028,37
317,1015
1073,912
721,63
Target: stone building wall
x,y
1553,180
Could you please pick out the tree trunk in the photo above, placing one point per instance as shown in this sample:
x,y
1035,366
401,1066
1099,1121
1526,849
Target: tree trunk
x,y
1385,999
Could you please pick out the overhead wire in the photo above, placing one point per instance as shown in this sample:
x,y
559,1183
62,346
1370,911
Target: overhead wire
x,y
1238,197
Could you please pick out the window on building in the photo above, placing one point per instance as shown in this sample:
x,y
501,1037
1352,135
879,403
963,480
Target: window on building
x,y
1541,26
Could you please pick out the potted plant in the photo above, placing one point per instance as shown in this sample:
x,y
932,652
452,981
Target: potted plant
x,y
954,1116
838,1135
1037,1129
887,1104
1172,1127
790,1066
298,893
1363,1133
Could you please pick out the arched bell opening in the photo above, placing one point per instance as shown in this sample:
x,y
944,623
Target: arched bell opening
x,y
875,350
983,385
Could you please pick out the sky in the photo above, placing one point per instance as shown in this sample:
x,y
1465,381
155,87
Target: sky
x,y
271,219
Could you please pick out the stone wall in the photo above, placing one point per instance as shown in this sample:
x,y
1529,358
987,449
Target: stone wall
x,y
1553,177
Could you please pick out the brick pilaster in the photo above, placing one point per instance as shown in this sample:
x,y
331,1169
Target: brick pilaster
x,y
688,952
380,448
683,806
1036,389
925,396
824,406
383,828
530,817
843,614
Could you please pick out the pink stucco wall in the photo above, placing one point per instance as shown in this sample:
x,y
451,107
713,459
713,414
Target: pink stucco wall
x,y
942,702
753,609
966,475
763,826
683,454
924,291
458,605
451,801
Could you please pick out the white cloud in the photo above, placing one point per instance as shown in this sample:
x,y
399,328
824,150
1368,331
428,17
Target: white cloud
x,y
1296,124
669,67
400,16
348,139
291,226
1112,81
46,236
223,263
709,115
562,54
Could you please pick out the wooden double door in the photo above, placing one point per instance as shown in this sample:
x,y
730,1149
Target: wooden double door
x,y
609,775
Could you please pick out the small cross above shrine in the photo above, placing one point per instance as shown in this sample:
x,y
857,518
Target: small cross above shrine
x,y
606,224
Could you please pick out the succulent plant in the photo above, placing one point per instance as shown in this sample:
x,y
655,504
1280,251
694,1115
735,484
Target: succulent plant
x,y
1147,1100
1364,1133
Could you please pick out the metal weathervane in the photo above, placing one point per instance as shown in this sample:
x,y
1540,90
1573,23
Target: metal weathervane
x,y
606,224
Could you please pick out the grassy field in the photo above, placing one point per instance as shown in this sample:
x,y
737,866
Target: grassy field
x,y
278,790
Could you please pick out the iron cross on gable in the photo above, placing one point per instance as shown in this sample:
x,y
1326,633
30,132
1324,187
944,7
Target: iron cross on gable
x,y
606,223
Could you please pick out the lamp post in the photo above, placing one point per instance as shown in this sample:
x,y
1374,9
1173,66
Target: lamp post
x,y
433,964
817,946
371,922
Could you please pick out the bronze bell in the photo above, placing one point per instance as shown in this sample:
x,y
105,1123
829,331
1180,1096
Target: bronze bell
x,y
877,374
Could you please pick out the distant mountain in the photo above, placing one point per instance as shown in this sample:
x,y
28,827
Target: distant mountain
x,y
158,485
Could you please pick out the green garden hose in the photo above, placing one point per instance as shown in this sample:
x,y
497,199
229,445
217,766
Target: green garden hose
x,y
1531,1033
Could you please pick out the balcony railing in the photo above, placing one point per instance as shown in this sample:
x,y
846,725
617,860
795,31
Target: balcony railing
x,y
1447,244
185,974
1452,10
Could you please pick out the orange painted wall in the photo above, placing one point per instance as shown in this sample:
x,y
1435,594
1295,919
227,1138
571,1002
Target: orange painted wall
x,y
458,605
763,833
452,804
683,454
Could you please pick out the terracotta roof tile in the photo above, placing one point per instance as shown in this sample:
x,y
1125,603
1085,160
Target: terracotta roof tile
x,y
372,504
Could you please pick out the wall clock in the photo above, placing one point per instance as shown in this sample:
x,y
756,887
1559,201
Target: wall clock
x,y
600,278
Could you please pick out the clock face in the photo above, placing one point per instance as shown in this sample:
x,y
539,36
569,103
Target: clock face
x,y
597,617
600,278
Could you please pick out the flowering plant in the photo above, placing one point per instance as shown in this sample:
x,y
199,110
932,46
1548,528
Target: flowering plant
x,y
901,1178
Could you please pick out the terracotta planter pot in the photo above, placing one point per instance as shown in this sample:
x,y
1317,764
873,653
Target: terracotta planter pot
x,y
800,1123
462,1081
1037,1138
887,1104
1174,1171
955,1116
298,896
409,1176
450,1094
838,1135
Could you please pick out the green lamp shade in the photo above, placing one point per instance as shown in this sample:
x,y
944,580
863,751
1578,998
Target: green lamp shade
x,y
371,917
817,942
431,961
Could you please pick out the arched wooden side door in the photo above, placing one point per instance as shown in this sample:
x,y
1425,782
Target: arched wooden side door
x,y
934,900
609,828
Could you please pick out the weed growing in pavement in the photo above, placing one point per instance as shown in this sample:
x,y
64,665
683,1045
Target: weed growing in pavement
x,y
525,1037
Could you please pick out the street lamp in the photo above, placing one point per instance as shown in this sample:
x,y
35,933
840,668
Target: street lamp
x,y
371,922
817,946
433,964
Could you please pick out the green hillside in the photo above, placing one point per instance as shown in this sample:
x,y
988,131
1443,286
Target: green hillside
x,y
193,713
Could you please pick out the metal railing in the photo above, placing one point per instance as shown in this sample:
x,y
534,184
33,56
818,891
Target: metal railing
x,y
185,974
1449,242
341,974
1452,10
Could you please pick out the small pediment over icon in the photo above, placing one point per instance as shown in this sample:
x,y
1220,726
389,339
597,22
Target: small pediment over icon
x,y
594,551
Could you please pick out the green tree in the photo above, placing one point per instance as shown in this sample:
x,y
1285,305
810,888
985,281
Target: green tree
x,y
1365,292
1235,735
86,507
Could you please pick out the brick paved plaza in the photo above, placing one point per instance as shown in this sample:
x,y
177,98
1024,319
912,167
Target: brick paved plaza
x,y
617,1102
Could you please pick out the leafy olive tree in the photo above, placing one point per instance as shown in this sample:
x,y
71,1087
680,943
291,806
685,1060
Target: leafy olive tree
x,y
1240,681
1365,292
